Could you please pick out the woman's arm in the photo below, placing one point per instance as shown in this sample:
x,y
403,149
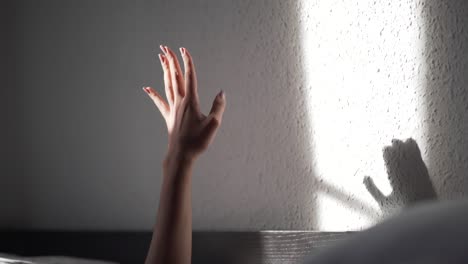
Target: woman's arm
x,y
190,133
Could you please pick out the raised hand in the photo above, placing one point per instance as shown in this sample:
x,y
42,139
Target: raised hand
x,y
190,131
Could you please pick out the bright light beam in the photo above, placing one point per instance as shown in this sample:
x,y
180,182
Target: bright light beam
x,y
363,65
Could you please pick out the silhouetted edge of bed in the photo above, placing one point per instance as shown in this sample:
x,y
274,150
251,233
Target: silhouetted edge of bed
x,y
131,247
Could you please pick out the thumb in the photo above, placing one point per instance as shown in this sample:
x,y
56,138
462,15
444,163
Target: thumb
x,y
210,128
217,109
213,120
374,190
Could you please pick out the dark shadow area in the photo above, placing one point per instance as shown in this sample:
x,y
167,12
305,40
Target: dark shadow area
x,y
5,110
13,197
208,247
75,103
119,246
446,97
227,247
83,121
407,174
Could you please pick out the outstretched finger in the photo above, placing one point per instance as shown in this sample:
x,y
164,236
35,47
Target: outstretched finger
x,y
158,101
167,79
176,73
190,76
217,109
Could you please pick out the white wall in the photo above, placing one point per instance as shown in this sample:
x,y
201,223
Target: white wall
x,y
315,90
377,72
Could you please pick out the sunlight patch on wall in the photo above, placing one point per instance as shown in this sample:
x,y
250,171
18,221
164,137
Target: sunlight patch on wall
x,y
363,66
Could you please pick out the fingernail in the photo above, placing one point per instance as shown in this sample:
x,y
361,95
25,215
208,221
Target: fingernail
x,y
146,89
162,48
221,94
182,50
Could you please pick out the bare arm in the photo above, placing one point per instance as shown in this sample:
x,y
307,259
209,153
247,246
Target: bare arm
x,y
190,133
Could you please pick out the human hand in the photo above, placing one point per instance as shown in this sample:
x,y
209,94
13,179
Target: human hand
x,y
190,131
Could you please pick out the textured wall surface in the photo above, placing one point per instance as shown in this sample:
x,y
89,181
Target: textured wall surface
x,y
316,92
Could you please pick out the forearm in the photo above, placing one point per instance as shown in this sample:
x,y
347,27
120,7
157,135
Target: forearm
x,y
190,134
172,236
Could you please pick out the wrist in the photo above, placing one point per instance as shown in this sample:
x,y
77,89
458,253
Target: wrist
x,y
177,159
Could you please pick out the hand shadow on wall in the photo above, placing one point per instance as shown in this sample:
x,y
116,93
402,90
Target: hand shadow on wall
x,y
408,176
